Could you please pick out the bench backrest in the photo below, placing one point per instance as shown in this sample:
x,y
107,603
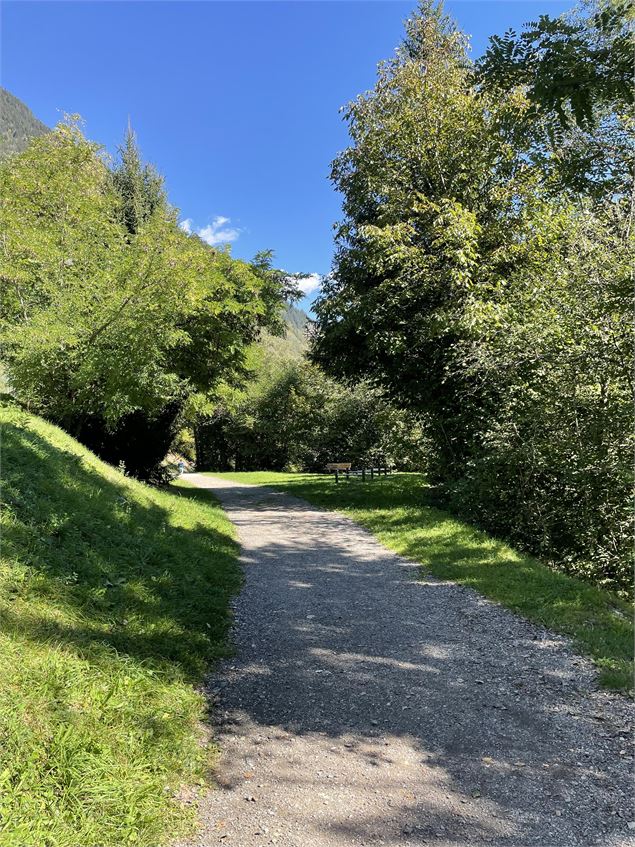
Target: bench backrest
x,y
339,466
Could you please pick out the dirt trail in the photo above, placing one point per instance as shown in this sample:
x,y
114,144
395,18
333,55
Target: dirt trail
x,y
368,706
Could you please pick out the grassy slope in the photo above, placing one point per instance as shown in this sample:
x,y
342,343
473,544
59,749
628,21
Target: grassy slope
x,y
113,600
395,510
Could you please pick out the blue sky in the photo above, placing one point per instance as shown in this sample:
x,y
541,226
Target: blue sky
x,y
236,103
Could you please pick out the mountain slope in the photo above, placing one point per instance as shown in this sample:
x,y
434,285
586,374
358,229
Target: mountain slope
x,y
290,346
18,125
297,322
113,599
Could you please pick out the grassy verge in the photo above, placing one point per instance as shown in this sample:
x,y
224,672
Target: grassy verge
x,y
113,600
395,509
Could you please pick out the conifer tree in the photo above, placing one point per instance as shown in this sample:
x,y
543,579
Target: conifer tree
x,y
139,185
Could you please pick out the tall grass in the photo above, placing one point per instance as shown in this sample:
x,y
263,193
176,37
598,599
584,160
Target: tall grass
x,y
113,601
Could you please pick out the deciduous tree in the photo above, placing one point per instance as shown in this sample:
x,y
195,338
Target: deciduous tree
x,y
112,316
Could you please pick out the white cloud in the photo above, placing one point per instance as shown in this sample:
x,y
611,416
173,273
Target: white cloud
x,y
217,232
309,284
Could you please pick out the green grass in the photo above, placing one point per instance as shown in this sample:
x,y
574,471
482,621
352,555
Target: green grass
x,y
396,510
113,601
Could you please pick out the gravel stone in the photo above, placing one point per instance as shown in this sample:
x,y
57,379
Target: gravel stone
x,y
372,705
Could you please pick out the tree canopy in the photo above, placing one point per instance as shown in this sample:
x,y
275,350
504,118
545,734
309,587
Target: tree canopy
x,y
481,275
570,66
110,313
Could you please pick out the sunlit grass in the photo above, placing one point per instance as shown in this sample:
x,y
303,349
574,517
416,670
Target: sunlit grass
x,y
397,510
113,601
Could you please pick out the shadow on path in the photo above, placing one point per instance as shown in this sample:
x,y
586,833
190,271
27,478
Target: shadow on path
x,y
367,705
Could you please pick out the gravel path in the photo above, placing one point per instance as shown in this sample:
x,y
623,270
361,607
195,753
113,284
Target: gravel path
x,y
367,705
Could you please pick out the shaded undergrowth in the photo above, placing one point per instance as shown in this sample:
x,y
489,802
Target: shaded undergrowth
x,y
113,601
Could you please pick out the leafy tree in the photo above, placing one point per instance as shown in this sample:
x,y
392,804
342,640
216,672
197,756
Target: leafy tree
x,y
432,185
294,417
571,66
111,316
484,288
577,74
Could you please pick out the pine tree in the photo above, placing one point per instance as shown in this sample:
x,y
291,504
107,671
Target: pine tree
x,y
139,186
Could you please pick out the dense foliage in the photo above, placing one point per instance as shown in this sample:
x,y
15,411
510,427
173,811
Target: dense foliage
x,y
571,65
576,74
112,317
481,279
292,416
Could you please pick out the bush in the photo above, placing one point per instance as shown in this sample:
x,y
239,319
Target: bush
x,y
550,454
299,419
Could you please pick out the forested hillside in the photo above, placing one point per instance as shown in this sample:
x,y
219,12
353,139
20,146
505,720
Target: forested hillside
x,y
18,125
293,342
297,322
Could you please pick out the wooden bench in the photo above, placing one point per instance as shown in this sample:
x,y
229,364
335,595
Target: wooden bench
x,y
339,467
